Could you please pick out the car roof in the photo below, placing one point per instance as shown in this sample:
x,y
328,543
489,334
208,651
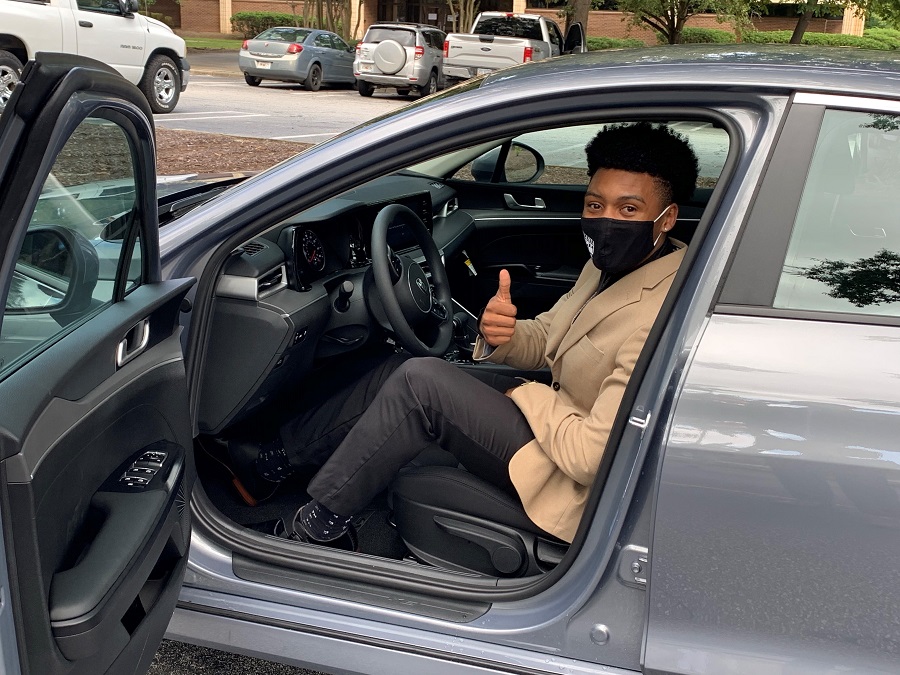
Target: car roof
x,y
777,67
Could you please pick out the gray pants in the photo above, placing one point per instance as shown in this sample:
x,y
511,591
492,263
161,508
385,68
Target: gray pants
x,y
382,422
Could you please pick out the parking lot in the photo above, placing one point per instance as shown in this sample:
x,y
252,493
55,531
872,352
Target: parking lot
x,y
218,101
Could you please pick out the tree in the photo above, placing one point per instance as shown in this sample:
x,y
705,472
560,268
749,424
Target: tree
x,y
867,281
463,13
667,17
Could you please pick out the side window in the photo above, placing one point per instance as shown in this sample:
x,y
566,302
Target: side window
x,y
323,40
844,251
564,163
77,240
340,44
105,6
555,36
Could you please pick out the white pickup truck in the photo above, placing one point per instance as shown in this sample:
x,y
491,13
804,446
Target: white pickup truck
x,y
502,39
145,51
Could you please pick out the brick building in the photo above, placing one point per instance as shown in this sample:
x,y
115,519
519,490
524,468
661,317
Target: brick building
x,y
213,16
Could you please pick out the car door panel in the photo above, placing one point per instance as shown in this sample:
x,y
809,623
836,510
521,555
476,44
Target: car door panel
x,y
100,551
95,434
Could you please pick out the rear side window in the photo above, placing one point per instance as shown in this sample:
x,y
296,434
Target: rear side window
x,y
844,251
407,38
509,26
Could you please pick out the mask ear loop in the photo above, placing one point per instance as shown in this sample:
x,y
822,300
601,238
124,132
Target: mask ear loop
x,y
656,241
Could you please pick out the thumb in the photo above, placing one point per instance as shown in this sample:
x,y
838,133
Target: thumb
x,y
503,290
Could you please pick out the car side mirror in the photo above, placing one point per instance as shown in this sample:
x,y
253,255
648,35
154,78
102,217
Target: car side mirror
x,y
56,273
521,164
129,6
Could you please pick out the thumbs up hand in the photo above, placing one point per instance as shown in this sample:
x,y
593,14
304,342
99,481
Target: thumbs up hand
x,y
498,323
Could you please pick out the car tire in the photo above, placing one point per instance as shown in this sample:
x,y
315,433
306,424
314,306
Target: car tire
x,y
313,81
389,56
365,88
429,87
161,84
252,81
10,70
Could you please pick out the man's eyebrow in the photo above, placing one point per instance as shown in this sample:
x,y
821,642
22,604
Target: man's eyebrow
x,y
623,198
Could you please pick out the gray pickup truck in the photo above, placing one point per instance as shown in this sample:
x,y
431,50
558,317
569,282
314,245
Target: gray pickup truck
x,y
501,39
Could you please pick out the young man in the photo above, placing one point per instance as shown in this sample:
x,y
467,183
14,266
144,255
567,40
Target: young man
x,y
541,443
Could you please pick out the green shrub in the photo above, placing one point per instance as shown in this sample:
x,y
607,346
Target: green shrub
x,y
767,37
707,36
880,40
836,40
251,24
889,36
597,43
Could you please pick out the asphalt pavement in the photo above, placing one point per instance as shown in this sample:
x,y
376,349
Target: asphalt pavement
x,y
213,62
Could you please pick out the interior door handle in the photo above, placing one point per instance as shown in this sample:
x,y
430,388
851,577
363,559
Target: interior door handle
x,y
134,342
513,204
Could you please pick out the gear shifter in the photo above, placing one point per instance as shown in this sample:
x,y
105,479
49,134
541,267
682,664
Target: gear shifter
x,y
342,304
464,335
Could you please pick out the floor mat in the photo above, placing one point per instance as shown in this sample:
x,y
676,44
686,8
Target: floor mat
x,y
376,535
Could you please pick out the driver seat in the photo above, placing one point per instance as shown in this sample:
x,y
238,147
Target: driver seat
x,y
449,518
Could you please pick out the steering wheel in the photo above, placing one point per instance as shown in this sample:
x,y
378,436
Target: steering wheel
x,y
406,295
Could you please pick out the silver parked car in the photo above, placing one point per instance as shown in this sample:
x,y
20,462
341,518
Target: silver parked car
x,y
408,57
287,54
745,516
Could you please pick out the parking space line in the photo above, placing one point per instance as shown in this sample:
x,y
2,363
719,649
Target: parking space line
x,y
287,138
169,118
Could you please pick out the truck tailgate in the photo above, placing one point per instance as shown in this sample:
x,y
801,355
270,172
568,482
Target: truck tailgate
x,y
489,51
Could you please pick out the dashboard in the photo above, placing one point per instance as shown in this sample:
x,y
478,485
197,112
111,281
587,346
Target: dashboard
x,y
282,301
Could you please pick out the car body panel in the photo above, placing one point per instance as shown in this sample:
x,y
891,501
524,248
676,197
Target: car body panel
x,y
779,488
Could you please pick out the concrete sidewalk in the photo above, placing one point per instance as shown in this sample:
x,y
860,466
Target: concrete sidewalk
x,y
223,63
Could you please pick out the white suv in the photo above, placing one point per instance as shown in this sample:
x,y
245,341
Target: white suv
x,y
402,55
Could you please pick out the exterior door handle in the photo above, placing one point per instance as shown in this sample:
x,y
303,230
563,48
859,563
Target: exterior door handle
x,y
85,24
134,342
511,203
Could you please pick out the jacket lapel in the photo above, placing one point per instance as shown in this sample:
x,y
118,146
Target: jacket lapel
x,y
587,283
624,292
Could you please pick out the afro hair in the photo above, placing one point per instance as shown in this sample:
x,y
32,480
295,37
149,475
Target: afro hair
x,y
654,149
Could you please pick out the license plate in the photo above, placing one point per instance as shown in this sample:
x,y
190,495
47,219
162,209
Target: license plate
x,y
483,71
365,67
263,64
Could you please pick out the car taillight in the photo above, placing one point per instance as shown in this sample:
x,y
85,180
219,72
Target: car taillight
x,y
529,52
358,47
446,48
420,52
244,46
294,48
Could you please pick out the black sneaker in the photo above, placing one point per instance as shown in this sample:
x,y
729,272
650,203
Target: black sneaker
x,y
348,541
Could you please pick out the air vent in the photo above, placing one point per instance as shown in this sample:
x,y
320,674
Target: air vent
x,y
251,248
450,207
271,282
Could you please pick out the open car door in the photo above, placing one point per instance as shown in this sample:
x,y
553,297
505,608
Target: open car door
x,y
575,42
95,435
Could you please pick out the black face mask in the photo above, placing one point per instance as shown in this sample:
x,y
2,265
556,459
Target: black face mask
x,y
618,246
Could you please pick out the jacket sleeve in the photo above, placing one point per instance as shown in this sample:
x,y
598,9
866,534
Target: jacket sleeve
x,y
573,442
528,346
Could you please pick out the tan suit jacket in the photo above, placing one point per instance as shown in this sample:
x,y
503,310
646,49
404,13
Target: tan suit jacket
x,y
591,346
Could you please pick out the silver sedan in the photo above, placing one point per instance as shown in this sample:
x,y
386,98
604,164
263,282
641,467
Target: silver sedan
x,y
289,54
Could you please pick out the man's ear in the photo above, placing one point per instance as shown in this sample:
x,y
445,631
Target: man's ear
x,y
670,217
